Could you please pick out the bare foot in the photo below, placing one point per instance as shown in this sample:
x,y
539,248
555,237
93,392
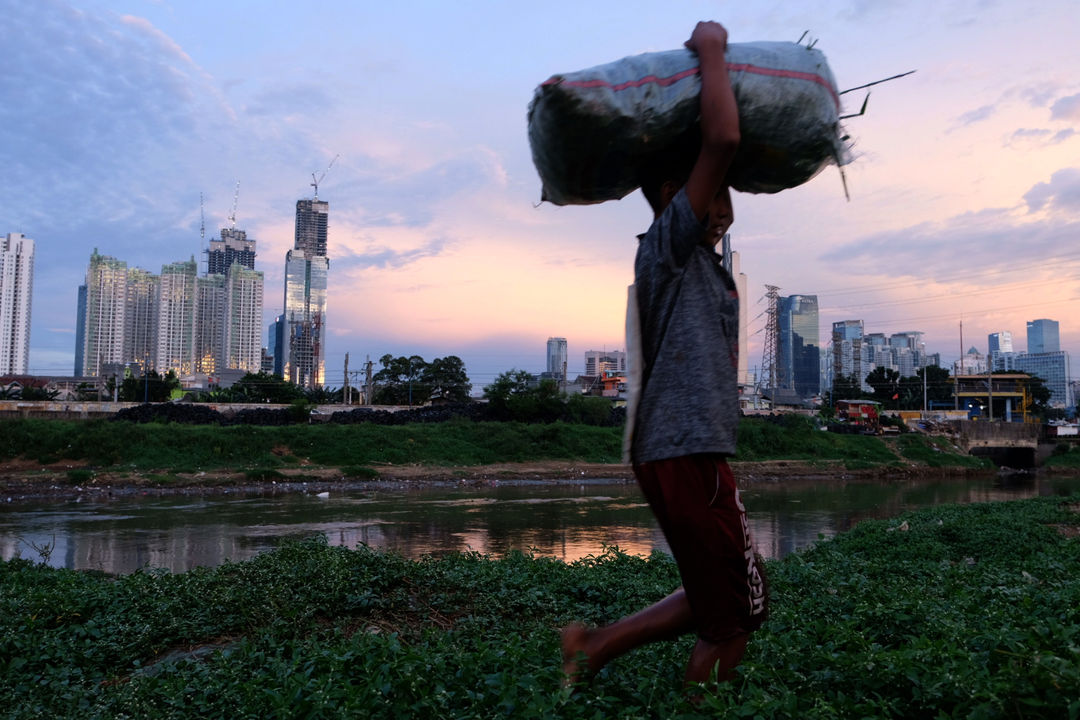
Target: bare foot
x,y
578,663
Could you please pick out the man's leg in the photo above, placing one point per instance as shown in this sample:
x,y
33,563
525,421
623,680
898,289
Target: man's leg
x,y
663,620
724,657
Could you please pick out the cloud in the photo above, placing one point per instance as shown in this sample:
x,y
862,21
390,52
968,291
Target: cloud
x,y
380,256
388,197
1029,134
983,242
974,116
286,100
1066,108
1061,194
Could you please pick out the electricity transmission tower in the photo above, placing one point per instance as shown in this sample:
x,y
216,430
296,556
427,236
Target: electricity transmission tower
x,y
771,354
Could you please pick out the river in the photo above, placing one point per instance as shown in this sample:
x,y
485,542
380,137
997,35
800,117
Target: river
x,y
565,520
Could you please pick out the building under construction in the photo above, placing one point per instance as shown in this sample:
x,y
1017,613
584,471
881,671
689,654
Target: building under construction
x,y
302,325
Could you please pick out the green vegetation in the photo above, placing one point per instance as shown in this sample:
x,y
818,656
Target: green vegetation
x,y
957,611
1065,455
414,381
190,448
796,437
935,452
155,446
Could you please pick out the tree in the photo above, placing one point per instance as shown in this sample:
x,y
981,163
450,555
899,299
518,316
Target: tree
x,y
447,379
324,395
886,384
1039,394
513,396
400,382
939,386
845,387
506,385
151,387
29,392
261,388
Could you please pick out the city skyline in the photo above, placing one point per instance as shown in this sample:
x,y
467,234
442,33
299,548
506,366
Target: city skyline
x,y
964,191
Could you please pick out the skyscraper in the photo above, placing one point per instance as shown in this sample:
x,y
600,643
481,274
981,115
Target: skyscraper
x,y
106,308
556,357
16,289
1000,342
243,312
177,318
800,349
306,272
311,226
211,314
141,318
847,341
80,331
1042,336
1053,369
233,247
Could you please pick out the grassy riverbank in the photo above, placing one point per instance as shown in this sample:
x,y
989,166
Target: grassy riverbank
x,y
368,449
958,611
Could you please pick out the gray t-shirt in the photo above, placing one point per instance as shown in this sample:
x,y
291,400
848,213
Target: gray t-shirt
x,y
689,318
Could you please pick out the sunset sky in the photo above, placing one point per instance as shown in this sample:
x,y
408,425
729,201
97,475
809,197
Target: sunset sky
x,y
116,114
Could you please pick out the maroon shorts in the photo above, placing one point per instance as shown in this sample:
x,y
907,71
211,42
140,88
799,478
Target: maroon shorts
x,y
698,507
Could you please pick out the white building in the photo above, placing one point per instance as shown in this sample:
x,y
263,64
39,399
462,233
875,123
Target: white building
x,y
141,318
597,362
243,319
210,310
16,289
104,316
176,318
972,362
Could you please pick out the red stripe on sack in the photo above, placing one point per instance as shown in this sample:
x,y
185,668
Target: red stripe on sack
x,y
672,79
790,74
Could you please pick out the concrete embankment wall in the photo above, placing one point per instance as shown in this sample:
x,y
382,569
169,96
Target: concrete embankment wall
x,y
52,410
974,434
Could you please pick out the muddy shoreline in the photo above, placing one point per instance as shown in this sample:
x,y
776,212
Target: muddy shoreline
x,y
55,482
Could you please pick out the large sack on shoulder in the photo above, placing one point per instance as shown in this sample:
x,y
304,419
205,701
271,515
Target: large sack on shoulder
x,y
590,131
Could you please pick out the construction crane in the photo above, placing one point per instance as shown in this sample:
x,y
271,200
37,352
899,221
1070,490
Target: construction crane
x,y
204,254
236,199
316,180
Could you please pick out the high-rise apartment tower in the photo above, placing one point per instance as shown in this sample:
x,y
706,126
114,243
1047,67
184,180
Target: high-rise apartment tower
x,y
16,289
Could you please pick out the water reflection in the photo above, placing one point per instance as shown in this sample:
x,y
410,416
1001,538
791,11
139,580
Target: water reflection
x,y
565,521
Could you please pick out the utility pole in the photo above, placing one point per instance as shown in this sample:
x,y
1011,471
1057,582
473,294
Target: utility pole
x,y
990,392
345,392
368,389
959,369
